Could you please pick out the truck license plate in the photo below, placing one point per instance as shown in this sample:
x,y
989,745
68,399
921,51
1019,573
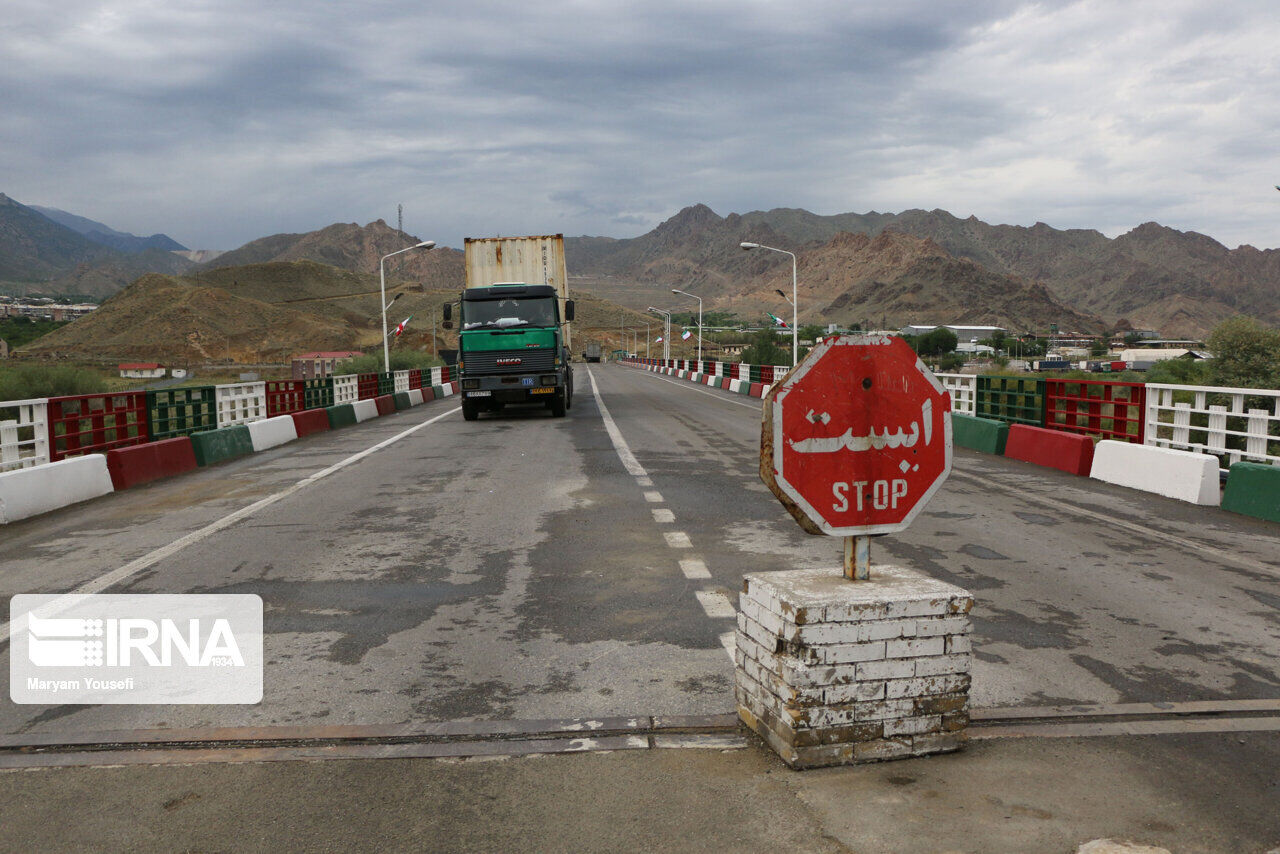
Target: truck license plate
x,y
526,381
541,391
479,394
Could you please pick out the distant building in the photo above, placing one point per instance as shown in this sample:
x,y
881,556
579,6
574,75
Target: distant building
x,y
320,364
963,333
141,370
1159,354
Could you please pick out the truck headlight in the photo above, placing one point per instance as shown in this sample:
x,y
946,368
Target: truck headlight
x,y
547,379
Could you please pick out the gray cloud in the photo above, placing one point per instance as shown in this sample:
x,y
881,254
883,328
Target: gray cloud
x,y
220,122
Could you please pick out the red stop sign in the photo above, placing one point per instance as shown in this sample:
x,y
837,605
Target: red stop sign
x,y
857,438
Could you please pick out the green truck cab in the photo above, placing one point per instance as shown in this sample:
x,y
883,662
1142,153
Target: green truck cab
x,y
512,348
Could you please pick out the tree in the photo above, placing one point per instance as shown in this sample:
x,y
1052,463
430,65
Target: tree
x,y
764,350
812,332
1246,354
1098,348
1180,371
937,342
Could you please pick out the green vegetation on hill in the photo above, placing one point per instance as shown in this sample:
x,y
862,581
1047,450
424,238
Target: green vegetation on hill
x,y
23,330
24,382
401,360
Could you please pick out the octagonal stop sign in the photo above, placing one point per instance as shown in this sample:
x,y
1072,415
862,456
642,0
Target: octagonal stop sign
x,y
857,438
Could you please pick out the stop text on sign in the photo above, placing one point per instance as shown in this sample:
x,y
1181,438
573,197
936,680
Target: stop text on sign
x,y
884,494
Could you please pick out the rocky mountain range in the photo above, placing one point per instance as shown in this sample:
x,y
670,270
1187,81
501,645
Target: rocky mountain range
x,y
877,269
121,241
937,268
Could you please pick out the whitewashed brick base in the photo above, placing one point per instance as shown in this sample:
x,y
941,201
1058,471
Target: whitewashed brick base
x,y
832,671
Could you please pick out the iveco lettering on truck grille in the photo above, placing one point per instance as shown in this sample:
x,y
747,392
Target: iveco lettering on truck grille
x,y
514,314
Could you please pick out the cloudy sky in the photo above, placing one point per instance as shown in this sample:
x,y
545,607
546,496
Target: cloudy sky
x,y
221,121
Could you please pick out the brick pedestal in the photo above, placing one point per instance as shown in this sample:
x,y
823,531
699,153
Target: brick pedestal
x,y
832,671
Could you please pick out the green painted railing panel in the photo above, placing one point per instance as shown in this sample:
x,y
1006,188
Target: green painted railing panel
x,y
1015,400
174,412
317,393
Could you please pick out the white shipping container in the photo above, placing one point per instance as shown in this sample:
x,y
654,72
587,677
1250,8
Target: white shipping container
x,y
536,260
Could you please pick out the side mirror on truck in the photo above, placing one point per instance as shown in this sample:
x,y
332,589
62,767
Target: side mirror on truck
x,y
447,316
568,310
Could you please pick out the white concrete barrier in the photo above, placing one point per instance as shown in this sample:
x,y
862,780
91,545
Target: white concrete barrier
x,y
1184,475
415,396
365,409
272,431
30,492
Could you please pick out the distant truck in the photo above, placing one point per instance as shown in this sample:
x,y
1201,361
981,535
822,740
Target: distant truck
x,y
513,325
593,351
1052,365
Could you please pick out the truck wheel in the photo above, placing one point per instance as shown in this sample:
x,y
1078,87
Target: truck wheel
x,y
557,406
470,409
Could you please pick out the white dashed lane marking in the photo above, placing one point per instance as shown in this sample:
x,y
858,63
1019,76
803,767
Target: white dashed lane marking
x,y
663,516
653,497
716,604
692,567
677,539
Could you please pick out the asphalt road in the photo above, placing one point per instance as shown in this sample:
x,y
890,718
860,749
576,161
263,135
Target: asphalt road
x,y
514,568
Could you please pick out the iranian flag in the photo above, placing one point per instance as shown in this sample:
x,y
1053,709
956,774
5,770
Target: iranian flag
x,y
777,321
686,335
402,325
658,340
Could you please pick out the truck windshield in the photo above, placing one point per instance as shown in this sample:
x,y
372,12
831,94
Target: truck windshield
x,y
505,313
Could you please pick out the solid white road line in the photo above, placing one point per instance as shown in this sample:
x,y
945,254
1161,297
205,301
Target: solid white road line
x,y
102,582
629,461
693,387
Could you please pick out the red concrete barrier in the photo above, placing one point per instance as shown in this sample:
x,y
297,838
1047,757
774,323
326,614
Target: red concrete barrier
x,y
1065,451
757,390
310,421
386,404
724,383
454,386
140,464
428,394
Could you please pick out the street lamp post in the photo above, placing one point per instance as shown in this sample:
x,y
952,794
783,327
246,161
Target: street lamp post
x,y
666,331
795,330
382,287
699,299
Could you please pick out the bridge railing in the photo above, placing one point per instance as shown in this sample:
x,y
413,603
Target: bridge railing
x,y
96,423
1233,424
24,434
240,403
961,388
1099,408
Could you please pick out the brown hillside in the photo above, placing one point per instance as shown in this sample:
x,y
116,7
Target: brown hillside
x,y
348,246
269,312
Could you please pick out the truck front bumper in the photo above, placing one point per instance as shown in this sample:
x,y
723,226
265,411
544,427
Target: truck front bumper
x,y
513,388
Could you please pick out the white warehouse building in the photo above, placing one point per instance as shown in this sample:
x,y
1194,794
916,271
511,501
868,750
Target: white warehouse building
x,y
963,333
